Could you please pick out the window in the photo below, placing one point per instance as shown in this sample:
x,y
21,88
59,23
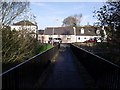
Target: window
x,y
97,32
20,28
59,38
14,29
82,30
33,28
50,38
89,30
68,38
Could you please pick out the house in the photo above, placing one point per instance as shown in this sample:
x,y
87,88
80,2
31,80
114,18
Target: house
x,y
59,32
41,36
87,32
72,34
40,32
25,25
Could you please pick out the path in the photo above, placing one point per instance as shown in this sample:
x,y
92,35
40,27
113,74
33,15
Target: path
x,y
65,73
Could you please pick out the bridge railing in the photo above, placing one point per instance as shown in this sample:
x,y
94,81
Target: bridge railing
x,y
27,73
104,73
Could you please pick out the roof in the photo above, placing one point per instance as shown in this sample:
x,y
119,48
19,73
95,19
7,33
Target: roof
x,y
41,32
25,23
88,30
59,31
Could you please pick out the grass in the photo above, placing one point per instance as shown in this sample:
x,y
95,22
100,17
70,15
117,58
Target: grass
x,y
43,47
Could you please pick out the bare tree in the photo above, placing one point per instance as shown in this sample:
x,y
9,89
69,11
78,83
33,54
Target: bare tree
x,y
78,18
10,10
72,20
69,21
16,45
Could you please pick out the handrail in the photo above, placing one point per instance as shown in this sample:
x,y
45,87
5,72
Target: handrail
x,y
97,56
27,73
105,73
24,62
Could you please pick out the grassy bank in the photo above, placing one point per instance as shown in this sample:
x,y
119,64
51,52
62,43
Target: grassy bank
x,y
43,47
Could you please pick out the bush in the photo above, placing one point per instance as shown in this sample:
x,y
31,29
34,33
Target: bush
x,y
17,45
43,47
106,50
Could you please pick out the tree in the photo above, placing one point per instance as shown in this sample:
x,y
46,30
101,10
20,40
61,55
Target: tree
x,y
109,15
10,10
78,19
72,20
16,45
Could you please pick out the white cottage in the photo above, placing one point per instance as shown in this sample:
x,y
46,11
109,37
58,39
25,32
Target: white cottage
x,y
71,34
87,32
25,25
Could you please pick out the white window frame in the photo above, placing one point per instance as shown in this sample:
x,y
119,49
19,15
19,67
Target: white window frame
x,y
82,31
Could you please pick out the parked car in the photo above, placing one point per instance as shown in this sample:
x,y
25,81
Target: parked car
x,y
55,40
91,40
50,40
99,39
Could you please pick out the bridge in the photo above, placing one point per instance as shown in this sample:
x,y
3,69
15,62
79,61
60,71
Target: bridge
x,y
66,67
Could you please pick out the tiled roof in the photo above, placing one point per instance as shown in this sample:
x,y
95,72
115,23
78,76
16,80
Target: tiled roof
x,y
26,22
59,31
41,32
88,30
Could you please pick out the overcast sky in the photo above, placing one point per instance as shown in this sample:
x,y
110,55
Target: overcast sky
x,y
49,14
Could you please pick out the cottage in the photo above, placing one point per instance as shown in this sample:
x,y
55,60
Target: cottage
x,y
65,33
41,36
87,32
25,25
72,34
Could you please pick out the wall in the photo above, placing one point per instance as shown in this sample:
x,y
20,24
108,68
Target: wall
x,y
30,28
66,38
84,38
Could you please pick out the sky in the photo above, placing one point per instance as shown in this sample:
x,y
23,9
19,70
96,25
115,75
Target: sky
x,y
51,14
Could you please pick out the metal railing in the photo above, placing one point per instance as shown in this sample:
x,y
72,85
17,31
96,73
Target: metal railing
x,y
27,73
104,73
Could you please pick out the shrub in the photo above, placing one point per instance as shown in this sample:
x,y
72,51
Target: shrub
x,y
16,46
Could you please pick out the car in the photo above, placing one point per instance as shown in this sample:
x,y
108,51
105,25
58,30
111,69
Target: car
x,y
99,40
57,40
91,40
50,40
